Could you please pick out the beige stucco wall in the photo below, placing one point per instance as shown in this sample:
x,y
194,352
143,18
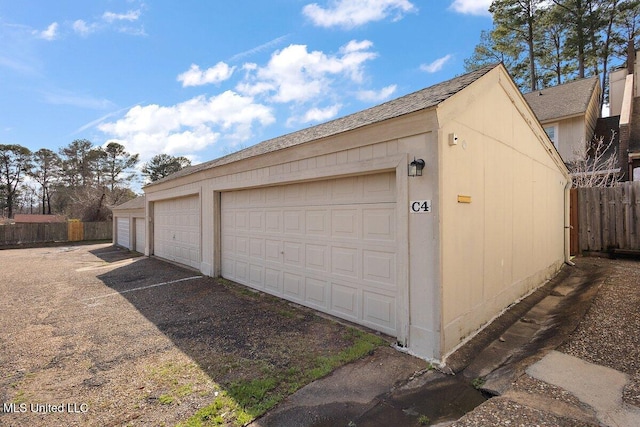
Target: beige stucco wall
x,y
510,237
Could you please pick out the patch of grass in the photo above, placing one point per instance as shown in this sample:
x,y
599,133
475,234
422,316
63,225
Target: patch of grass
x,y
175,381
165,399
246,399
477,383
423,420
21,397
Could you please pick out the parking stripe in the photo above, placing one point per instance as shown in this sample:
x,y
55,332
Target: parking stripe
x,y
143,288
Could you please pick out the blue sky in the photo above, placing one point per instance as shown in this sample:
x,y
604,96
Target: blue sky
x,y
204,78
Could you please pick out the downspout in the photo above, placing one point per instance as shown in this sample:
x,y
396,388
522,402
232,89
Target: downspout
x,y
567,224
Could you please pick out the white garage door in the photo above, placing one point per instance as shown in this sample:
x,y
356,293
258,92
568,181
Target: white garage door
x,y
330,245
123,232
176,231
140,234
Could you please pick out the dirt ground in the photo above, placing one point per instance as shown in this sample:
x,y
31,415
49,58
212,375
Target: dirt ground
x,y
92,335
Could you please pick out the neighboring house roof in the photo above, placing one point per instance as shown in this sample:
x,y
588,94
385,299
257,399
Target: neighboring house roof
x,y
563,101
34,218
137,203
413,102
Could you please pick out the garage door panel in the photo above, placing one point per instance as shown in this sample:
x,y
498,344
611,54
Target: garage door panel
x,y
177,230
293,286
273,281
273,221
344,262
330,245
379,224
294,222
379,267
349,189
242,246
294,193
256,221
316,258
317,223
293,254
317,293
256,249
344,223
379,311
122,225
317,192
273,251
379,188
140,234
256,276
344,300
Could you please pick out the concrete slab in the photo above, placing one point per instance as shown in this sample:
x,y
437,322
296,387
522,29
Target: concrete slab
x,y
345,394
597,386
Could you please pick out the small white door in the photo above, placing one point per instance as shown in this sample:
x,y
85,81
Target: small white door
x,y
176,231
140,234
123,232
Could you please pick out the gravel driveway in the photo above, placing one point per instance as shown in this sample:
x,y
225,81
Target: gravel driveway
x,y
93,335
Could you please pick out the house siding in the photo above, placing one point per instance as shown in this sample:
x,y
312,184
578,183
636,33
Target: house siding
x,y
509,238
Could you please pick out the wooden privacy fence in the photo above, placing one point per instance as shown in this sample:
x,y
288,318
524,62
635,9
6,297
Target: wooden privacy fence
x,y
72,231
609,218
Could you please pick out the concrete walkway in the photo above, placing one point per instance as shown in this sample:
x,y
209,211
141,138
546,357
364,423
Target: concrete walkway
x,y
597,386
568,355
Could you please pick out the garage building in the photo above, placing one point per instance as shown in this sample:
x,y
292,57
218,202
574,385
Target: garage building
x,y
129,225
330,218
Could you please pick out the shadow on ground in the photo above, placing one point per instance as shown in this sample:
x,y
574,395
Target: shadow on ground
x,y
256,347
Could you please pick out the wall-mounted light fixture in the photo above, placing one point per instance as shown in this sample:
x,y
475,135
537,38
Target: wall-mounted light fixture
x,y
415,167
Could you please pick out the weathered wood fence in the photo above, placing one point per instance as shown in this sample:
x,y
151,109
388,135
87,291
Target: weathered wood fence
x,y
72,231
609,218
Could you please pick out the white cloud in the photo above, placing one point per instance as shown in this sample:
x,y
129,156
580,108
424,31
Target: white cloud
x,y
376,96
131,15
316,115
295,75
196,77
120,22
189,126
354,13
472,7
82,28
51,33
436,65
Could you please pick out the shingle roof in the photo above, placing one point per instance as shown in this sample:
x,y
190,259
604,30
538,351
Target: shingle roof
x,y
561,101
416,101
137,203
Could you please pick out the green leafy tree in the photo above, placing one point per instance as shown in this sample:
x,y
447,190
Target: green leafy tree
x,y
118,164
163,165
518,21
15,163
79,161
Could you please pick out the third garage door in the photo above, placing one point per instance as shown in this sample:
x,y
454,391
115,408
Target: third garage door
x,y
330,245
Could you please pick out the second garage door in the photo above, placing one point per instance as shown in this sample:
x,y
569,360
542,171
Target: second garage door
x,y
176,232
140,234
330,245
